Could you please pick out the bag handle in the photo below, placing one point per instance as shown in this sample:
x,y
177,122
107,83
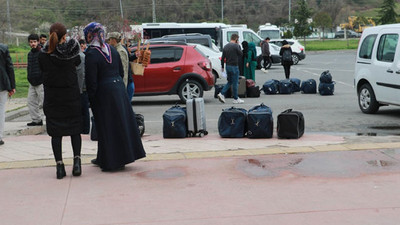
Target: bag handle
x,y
287,111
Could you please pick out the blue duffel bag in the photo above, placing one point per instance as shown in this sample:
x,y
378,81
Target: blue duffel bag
x,y
326,89
325,77
260,123
309,86
285,87
295,84
270,87
232,123
174,122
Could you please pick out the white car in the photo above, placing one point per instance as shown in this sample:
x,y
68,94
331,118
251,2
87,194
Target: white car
x,y
214,56
298,50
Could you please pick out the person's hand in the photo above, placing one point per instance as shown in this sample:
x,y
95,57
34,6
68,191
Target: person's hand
x,y
10,93
247,64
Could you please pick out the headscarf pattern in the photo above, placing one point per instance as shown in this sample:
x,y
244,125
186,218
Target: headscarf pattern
x,y
96,31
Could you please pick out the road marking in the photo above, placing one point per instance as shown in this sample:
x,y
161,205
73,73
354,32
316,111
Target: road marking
x,y
318,75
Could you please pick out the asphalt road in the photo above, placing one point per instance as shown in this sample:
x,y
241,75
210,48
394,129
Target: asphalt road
x,y
337,114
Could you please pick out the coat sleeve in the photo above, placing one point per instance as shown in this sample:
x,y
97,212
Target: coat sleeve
x,y
10,70
91,70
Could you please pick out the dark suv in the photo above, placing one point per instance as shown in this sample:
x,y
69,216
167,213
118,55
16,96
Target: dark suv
x,y
175,68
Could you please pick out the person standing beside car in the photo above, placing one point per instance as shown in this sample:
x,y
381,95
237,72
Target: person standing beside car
x,y
230,55
286,54
7,84
265,53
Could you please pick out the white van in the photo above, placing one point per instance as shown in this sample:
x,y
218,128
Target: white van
x,y
377,70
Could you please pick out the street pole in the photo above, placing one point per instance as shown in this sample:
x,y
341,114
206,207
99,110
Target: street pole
x,y
120,6
222,11
8,19
290,6
154,11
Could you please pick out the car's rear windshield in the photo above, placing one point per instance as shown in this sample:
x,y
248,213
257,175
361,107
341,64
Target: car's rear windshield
x,y
198,49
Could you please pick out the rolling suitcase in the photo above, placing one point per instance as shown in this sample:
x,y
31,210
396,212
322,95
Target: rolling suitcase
x,y
232,123
174,122
260,123
241,87
196,117
290,124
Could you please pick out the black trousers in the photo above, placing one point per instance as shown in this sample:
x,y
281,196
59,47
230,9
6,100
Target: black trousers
x,y
286,67
266,61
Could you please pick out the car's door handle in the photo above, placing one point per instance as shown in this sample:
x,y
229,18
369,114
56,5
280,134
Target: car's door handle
x,y
177,68
389,71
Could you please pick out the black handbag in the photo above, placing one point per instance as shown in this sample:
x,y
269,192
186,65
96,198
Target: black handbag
x,y
290,124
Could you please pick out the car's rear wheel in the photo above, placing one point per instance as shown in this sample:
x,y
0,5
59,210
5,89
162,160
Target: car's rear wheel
x,y
190,89
295,59
367,100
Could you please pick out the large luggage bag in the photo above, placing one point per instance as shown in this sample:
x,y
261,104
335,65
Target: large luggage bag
x,y
290,124
308,86
174,122
271,87
241,87
232,123
295,84
285,87
253,92
260,123
196,117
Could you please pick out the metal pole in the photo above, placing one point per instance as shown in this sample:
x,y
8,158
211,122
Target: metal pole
x,y
8,19
154,11
222,11
290,6
120,6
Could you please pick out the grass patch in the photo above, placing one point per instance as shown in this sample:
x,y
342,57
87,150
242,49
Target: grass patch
x,y
319,45
21,83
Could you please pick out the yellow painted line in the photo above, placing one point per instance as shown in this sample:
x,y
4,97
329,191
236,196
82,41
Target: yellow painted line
x,y
329,148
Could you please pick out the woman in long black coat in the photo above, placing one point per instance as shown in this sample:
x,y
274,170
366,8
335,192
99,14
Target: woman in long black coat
x,y
62,105
119,142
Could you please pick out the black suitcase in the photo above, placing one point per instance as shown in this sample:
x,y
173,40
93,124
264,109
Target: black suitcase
x,y
253,92
174,122
285,87
308,86
326,89
260,123
290,124
232,123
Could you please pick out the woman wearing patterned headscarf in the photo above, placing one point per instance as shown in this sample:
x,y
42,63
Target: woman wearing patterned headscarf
x,y
62,105
119,141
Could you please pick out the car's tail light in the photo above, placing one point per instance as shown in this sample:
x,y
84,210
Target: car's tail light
x,y
301,49
205,65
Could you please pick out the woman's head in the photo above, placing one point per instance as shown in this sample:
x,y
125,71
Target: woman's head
x,y
94,32
284,42
57,34
252,45
245,44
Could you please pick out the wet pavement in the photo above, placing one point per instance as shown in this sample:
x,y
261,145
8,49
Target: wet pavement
x,y
321,178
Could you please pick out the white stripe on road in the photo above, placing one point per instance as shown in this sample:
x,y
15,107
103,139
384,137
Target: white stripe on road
x,y
318,75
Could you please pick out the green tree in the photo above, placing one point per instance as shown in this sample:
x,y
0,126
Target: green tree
x,y
323,20
387,13
302,27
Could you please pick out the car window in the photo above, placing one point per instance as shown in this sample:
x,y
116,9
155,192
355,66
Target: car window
x,y
229,34
165,54
367,46
250,37
202,41
387,47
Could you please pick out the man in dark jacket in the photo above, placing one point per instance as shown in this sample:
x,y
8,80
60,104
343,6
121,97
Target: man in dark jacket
x,y
35,78
7,84
265,53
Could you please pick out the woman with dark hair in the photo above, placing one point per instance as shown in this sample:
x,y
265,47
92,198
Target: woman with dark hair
x,y
119,142
286,54
62,105
245,49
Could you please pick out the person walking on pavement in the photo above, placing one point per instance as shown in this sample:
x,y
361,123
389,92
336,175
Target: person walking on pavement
x,y
231,54
119,141
7,84
62,104
265,54
286,54
35,78
250,62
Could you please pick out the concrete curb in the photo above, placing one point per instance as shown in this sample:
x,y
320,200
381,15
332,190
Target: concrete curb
x,y
11,115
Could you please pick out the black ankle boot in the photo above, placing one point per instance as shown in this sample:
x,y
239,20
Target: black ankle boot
x,y
60,171
76,168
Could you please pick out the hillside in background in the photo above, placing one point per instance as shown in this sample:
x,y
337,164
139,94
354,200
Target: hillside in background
x,y
37,15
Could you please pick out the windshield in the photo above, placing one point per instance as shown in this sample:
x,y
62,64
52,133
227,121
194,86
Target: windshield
x,y
272,34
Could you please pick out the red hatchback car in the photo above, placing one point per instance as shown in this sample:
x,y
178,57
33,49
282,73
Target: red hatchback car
x,y
175,68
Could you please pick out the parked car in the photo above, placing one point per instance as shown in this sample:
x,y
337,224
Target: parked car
x,y
377,68
214,56
349,33
196,38
175,68
298,50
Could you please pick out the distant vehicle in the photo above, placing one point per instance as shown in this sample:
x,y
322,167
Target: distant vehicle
x,y
349,34
298,50
214,56
175,68
377,68
196,38
268,30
